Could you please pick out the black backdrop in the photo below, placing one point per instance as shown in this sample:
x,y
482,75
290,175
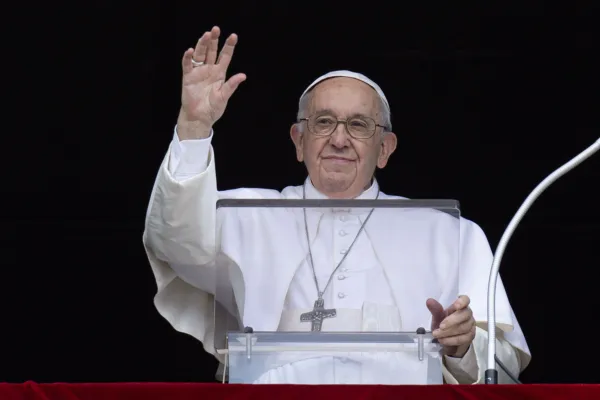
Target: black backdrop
x,y
485,103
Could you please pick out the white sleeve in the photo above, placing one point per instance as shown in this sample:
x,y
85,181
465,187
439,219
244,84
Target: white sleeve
x,y
470,369
188,157
464,369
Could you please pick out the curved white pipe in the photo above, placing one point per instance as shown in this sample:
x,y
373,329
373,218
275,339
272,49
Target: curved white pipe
x,y
491,374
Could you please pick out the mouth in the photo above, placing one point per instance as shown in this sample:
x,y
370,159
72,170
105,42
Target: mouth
x,y
338,159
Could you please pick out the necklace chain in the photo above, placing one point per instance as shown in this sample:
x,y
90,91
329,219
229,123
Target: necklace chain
x,y
312,263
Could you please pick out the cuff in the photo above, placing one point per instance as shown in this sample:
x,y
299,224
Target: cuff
x,y
464,369
189,157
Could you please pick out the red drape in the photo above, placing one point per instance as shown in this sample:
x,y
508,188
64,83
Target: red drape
x,y
189,391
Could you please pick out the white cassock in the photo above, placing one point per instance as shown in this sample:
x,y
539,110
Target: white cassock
x,y
374,290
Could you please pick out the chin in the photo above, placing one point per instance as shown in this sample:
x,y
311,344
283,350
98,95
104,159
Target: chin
x,y
337,182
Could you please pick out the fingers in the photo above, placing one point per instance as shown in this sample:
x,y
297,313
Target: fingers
x,y
213,45
231,85
458,328
202,47
208,45
437,312
456,318
227,51
461,303
186,62
458,340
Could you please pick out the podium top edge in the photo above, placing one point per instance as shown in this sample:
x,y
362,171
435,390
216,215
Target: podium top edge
x,y
327,333
445,204
342,337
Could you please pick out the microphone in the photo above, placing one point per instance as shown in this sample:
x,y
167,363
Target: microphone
x,y
491,374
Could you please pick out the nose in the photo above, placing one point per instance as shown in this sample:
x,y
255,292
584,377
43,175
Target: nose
x,y
339,137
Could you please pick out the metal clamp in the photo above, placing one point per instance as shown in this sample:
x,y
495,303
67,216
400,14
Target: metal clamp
x,y
248,331
421,343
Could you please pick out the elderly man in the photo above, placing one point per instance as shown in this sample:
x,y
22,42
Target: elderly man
x,y
343,133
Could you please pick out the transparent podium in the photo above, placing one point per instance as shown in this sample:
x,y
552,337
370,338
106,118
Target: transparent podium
x,y
372,324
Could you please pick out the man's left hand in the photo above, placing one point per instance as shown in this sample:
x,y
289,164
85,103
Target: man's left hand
x,y
454,327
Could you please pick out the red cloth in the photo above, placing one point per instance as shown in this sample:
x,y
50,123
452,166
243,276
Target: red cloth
x,y
194,391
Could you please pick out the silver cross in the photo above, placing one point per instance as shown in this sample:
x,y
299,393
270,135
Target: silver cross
x,y
317,315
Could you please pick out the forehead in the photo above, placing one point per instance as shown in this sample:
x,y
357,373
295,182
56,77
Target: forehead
x,y
344,96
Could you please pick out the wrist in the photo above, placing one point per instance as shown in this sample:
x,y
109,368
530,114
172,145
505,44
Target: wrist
x,y
459,351
192,130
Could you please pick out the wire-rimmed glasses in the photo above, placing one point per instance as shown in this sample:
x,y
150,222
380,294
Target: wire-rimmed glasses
x,y
359,127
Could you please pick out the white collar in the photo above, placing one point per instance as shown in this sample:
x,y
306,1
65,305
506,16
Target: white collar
x,y
369,194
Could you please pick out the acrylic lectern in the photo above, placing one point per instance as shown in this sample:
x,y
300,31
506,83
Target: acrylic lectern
x,y
262,244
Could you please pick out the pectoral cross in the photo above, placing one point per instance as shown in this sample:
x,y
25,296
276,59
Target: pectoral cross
x,y
317,315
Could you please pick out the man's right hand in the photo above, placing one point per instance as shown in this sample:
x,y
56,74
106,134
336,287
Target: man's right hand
x,y
205,89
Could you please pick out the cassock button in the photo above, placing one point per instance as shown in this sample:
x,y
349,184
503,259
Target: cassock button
x,y
344,251
341,277
341,295
343,233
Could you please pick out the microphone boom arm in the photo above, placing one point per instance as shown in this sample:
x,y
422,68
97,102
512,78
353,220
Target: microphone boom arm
x,y
491,374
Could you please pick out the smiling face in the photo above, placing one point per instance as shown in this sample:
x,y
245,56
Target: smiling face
x,y
339,165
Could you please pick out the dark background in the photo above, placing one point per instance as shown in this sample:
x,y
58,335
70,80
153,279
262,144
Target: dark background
x,y
486,102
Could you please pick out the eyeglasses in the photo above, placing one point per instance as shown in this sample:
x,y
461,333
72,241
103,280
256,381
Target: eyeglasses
x,y
357,127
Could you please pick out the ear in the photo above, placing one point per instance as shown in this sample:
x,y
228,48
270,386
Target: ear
x,y
388,146
298,138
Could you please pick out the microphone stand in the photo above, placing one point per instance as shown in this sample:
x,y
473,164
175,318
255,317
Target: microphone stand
x,y
491,374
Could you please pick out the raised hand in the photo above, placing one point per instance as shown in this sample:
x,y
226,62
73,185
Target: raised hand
x,y
454,327
205,87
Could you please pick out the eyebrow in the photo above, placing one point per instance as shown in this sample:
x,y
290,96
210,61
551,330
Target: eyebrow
x,y
329,111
